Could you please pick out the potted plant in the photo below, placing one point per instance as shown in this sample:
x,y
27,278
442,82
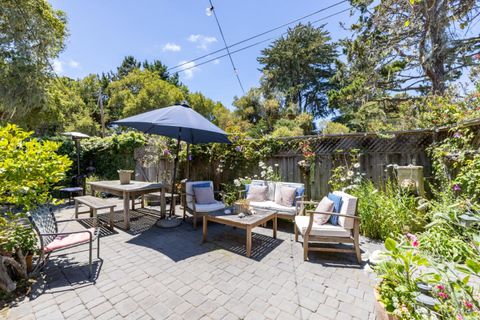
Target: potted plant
x,y
125,176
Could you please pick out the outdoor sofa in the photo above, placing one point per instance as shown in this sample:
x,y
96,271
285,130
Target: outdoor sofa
x,y
284,212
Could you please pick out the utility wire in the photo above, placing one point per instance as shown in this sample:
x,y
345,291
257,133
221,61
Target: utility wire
x,y
226,45
256,43
259,34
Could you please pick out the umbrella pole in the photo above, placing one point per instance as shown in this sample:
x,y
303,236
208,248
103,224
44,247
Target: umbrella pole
x,y
77,147
175,162
188,162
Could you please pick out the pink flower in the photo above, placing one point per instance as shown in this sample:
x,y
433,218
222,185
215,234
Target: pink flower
x,y
443,295
456,187
440,287
413,239
468,304
415,243
459,317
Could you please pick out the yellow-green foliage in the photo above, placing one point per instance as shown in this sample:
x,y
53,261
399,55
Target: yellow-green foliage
x,y
29,168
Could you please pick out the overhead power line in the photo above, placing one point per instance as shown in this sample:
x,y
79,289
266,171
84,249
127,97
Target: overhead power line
x,y
255,44
259,34
212,8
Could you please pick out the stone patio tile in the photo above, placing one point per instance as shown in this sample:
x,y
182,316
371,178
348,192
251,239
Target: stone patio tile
x,y
168,274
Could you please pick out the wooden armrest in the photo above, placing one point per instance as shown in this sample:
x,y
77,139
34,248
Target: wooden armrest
x,y
311,212
308,202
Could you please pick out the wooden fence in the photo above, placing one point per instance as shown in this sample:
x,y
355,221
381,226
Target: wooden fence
x,y
376,153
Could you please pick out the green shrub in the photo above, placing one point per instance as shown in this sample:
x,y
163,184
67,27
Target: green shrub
x,y
387,211
29,168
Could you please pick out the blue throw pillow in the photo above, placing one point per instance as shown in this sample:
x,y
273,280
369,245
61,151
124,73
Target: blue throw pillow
x,y
201,185
298,193
337,205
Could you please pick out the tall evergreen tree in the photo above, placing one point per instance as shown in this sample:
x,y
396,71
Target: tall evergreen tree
x,y
300,66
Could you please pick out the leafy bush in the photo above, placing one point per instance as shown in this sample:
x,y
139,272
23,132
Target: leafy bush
x,y
405,266
29,168
112,153
446,237
387,211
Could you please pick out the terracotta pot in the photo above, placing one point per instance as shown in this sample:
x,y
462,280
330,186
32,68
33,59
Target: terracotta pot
x,y
29,261
125,176
380,310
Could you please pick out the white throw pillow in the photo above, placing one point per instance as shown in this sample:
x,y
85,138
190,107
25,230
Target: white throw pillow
x,y
326,205
257,193
287,195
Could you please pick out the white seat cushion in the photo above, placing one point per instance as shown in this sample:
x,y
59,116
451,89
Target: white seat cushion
x,y
349,207
324,230
208,207
273,206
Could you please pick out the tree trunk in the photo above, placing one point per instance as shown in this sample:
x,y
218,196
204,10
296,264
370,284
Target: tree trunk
x,y
6,282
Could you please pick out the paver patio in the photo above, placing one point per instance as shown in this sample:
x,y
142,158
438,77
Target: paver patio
x,y
169,274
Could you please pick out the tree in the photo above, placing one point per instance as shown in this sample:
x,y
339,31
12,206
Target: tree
x,y
300,66
213,111
128,64
63,110
141,91
402,50
162,70
32,33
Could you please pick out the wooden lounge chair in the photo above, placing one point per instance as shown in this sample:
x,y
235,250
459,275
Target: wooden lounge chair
x,y
51,240
347,230
198,210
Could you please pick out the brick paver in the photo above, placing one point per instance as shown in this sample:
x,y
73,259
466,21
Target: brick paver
x,y
168,274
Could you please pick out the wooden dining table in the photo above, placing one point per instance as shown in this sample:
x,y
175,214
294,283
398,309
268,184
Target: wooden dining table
x,y
129,192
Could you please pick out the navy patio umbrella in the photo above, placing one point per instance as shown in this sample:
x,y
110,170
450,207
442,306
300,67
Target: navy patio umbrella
x,y
180,122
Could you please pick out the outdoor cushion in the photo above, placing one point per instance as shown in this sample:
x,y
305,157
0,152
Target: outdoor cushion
x,y
271,191
287,195
324,230
349,206
189,188
64,241
300,190
326,205
337,200
203,195
257,193
254,183
218,205
273,206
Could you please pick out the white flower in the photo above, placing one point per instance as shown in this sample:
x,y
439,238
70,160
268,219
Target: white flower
x,y
342,179
350,173
237,183
261,164
255,176
356,165
276,164
262,174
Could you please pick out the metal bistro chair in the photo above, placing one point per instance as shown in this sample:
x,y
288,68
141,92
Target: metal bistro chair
x,y
51,240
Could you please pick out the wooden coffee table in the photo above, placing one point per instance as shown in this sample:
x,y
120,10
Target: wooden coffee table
x,y
248,223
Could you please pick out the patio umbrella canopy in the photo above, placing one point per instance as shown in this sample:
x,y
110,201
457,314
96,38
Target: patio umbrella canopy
x,y
180,122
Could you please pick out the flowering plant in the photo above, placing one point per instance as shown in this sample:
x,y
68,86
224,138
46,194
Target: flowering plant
x,y
449,292
307,152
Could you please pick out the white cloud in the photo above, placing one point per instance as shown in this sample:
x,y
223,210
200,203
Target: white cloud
x,y
216,61
202,41
73,64
173,47
57,66
188,68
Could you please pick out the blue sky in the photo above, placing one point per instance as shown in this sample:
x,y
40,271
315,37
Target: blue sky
x,y
103,32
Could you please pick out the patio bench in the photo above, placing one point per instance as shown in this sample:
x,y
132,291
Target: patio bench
x,y
94,203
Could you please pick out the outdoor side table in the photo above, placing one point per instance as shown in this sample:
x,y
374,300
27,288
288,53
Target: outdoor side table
x,y
247,223
71,191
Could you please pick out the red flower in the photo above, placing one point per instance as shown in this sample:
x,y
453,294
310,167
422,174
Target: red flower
x,y
443,295
440,287
468,304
